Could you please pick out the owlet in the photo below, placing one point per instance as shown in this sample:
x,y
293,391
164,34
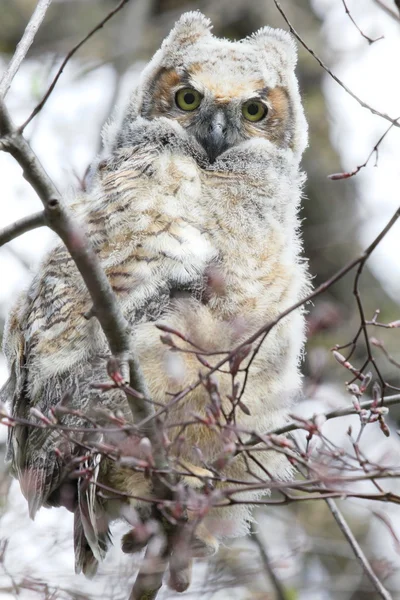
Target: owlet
x,y
192,209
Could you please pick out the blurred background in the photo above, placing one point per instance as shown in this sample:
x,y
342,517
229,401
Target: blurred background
x,y
305,549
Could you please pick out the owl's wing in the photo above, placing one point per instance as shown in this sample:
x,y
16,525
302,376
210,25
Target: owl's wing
x,y
52,349
91,533
48,342
37,471
42,458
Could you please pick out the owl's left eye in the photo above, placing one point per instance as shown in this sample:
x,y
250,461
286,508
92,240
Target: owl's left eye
x,y
254,110
188,98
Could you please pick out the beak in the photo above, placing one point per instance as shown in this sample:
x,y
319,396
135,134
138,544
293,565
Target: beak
x,y
214,142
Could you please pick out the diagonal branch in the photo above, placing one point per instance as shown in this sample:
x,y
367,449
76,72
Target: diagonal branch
x,y
374,111
262,333
22,226
70,54
333,414
388,10
362,559
105,305
23,46
281,593
112,321
150,577
366,37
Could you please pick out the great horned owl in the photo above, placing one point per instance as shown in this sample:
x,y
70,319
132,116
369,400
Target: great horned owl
x,y
192,211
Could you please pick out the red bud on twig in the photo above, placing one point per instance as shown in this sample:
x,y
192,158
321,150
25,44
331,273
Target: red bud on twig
x,y
114,371
237,359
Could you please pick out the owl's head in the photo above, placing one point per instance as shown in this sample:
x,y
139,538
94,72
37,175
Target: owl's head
x,y
224,92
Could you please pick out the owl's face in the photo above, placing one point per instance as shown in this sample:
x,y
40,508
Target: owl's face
x,y
221,109
223,92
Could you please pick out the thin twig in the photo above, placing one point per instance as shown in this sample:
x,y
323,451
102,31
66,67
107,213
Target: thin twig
x,y
292,426
348,13
70,54
327,69
345,529
23,46
375,149
388,10
22,226
379,344
278,587
265,329
333,414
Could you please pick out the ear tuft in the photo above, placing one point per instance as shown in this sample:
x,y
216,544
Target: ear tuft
x,y
279,40
188,29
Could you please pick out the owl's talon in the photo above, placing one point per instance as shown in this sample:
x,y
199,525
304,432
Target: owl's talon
x,y
197,476
130,543
180,578
204,544
204,548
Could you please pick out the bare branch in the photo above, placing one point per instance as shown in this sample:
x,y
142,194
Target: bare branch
x,y
70,54
23,46
388,10
375,150
374,111
22,226
265,329
255,439
362,559
149,579
112,321
105,305
333,414
266,561
348,13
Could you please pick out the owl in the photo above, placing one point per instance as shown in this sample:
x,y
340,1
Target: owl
x,y
192,209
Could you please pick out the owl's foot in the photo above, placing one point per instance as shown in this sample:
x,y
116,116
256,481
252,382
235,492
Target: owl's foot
x,y
132,542
180,571
197,477
203,544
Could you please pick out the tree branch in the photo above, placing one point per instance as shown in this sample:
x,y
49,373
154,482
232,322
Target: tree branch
x,y
22,226
366,37
374,111
388,10
149,579
333,414
56,215
70,54
265,329
362,559
266,561
23,46
105,306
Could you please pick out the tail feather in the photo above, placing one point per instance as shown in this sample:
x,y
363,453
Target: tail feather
x,y
91,532
85,562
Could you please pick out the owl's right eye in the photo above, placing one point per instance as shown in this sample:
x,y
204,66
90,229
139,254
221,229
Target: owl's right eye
x,y
188,99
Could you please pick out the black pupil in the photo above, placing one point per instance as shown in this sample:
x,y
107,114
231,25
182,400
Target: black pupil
x,y
253,109
189,98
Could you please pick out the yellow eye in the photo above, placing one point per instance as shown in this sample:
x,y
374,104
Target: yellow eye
x,y
188,98
254,110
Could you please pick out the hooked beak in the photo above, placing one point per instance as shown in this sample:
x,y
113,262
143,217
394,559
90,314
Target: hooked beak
x,y
214,142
